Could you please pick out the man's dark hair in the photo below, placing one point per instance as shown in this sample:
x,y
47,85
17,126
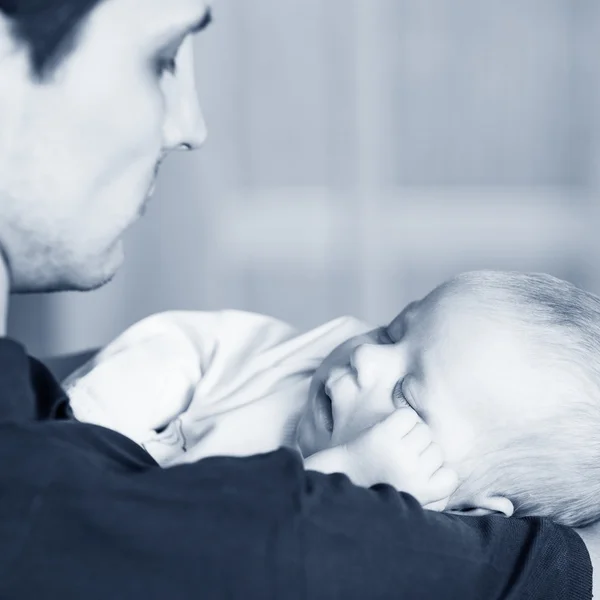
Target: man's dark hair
x,y
48,28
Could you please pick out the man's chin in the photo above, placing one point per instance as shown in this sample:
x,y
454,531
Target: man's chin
x,y
98,275
86,276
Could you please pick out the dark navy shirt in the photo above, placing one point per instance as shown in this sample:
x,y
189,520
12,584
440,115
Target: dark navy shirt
x,y
87,514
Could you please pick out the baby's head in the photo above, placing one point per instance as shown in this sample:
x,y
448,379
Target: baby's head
x,y
505,370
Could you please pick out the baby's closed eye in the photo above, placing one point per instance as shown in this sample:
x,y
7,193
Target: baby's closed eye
x,y
398,396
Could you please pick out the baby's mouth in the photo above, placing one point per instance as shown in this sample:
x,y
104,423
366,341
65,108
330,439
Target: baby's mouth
x,y
324,407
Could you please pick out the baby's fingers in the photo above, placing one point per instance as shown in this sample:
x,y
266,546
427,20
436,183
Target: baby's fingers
x,y
431,459
418,439
398,424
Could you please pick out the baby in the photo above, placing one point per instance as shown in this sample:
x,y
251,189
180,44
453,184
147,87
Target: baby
x,y
504,368
495,374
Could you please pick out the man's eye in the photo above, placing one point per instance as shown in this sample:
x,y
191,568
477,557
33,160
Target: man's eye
x,y
166,57
165,64
398,396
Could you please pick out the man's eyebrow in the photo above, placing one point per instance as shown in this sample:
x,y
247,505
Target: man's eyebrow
x,y
203,22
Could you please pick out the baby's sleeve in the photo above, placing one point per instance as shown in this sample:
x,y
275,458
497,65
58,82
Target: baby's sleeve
x,y
147,376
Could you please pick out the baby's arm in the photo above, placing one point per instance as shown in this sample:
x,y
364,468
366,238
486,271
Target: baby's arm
x,y
147,376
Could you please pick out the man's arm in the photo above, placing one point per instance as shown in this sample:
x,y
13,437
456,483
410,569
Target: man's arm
x,y
260,527
591,538
383,541
85,515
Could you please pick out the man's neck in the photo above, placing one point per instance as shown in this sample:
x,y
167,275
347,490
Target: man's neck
x,y
4,294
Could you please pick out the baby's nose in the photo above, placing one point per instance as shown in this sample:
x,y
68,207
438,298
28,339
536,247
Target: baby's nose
x,y
366,360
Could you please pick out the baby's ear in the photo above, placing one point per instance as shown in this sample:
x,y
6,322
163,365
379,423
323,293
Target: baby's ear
x,y
487,505
497,504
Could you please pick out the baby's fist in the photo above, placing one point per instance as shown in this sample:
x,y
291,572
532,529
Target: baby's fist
x,y
398,451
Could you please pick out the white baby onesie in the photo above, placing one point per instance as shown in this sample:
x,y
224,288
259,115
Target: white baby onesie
x,y
188,384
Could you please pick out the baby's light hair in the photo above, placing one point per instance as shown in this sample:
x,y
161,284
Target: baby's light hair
x,y
551,466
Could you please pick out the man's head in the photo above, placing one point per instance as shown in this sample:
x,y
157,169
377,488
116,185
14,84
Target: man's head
x,y
93,95
505,370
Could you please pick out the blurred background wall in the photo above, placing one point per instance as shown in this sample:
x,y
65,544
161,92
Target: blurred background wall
x,y
360,152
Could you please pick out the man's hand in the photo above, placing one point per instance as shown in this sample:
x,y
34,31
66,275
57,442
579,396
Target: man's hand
x,y
398,451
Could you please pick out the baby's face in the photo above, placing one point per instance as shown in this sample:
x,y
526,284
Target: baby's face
x,y
467,375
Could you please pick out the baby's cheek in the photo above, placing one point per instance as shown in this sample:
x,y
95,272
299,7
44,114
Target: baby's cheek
x,y
453,436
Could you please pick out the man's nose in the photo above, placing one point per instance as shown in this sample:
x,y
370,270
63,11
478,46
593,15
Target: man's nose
x,y
184,126
192,136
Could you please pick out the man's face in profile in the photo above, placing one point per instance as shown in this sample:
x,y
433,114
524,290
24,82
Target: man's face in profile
x,y
79,151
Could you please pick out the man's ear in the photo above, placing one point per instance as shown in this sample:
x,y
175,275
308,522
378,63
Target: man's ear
x,y
487,505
